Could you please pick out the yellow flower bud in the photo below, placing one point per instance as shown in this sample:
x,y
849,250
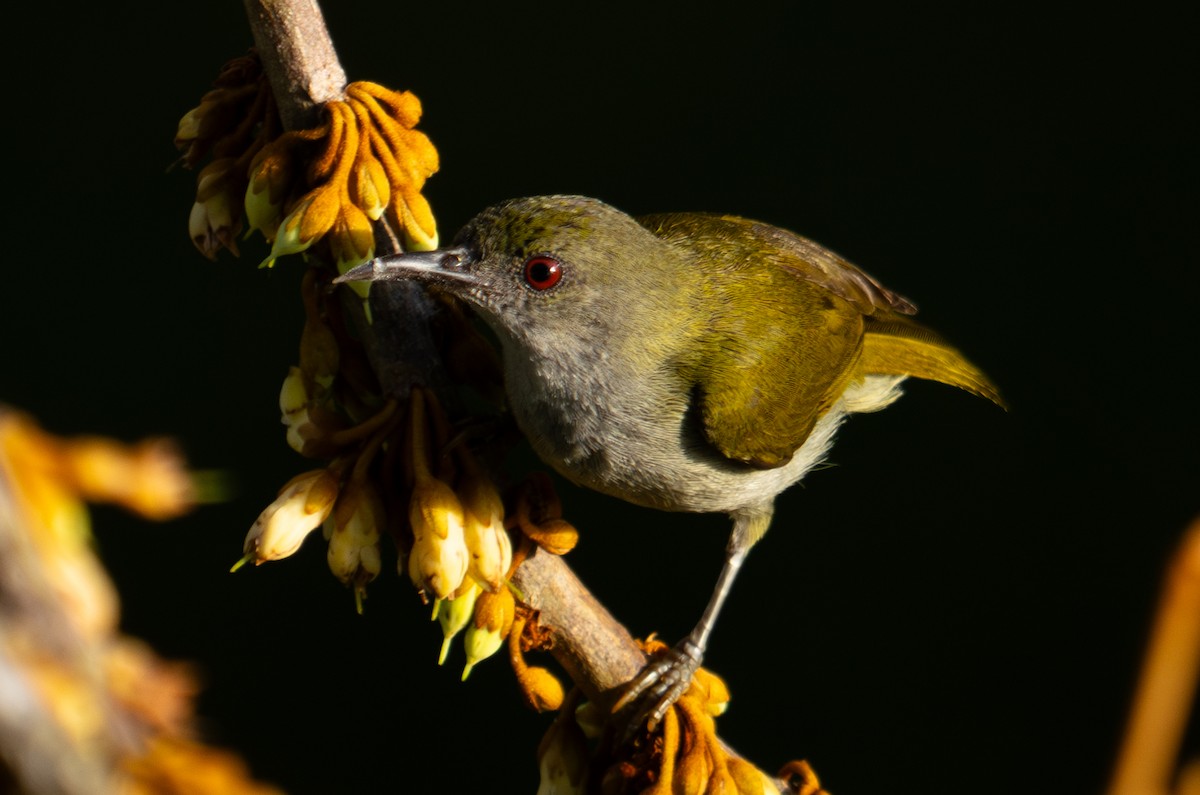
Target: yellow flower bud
x,y
695,770
414,216
454,615
556,536
542,690
488,543
293,405
293,396
261,214
437,563
312,217
272,176
370,187
351,243
201,126
189,126
302,505
486,633
710,690
562,758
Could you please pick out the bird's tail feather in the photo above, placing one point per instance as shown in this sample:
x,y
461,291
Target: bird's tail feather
x,y
900,348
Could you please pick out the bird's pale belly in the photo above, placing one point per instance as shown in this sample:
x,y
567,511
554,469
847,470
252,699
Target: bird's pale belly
x,y
598,439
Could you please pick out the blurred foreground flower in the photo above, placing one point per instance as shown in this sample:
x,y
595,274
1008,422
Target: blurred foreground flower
x,y
85,709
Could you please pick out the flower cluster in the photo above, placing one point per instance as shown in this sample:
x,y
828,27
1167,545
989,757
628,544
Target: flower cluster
x,y
341,497
369,162
398,473
325,185
231,124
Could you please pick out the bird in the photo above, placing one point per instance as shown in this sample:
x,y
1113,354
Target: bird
x,y
688,362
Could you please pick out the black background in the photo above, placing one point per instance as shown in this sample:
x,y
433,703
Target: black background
x,y
957,605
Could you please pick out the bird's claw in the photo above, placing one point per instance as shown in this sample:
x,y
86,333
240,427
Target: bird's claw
x,y
660,684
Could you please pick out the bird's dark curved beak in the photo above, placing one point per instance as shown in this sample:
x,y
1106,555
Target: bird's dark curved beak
x,y
444,264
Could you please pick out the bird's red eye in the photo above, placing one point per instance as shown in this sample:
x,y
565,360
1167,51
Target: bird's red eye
x,y
542,273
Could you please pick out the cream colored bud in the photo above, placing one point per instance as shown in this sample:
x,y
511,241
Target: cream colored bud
x,y
488,543
296,431
353,553
293,396
198,228
212,225
437,563
302,505
293,405
216,217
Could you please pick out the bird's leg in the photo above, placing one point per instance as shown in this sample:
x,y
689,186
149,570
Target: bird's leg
x,y
668,676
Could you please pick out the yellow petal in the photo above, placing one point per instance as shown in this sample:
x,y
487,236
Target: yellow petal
x,y
369,187
351,240
420,228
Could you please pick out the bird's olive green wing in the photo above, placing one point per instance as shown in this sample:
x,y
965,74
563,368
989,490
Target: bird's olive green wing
x,y
765,377
762,389
783,338
893,343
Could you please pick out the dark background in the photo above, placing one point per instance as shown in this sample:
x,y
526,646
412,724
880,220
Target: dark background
x,y
957,605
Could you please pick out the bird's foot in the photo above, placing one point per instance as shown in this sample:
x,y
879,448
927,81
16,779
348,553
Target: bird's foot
x,y
660,684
